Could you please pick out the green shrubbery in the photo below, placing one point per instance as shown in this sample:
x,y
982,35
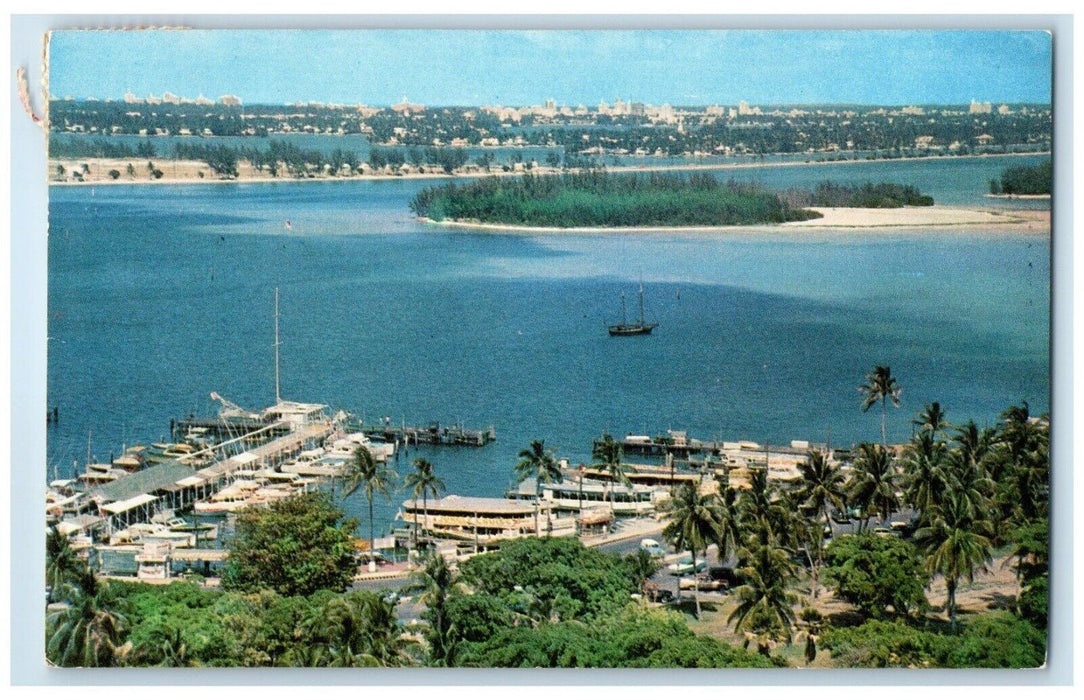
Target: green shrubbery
x,y
999,640
1022,179
297,546
883,195
875,573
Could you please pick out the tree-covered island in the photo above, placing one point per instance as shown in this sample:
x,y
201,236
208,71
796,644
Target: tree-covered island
x,y
596,198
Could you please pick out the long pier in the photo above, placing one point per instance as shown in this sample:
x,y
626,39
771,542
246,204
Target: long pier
x,y
677,444
432,434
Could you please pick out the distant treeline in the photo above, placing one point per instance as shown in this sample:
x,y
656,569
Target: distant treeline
x,y
70,149
1023,179
278,156
884,195
598,198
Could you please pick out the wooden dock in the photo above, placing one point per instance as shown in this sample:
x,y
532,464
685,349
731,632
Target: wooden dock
x,y
432,434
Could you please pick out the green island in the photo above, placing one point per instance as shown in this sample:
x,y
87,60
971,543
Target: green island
x,y
1025,180
596,198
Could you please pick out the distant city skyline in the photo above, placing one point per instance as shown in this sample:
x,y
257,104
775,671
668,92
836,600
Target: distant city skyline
x,y
518,68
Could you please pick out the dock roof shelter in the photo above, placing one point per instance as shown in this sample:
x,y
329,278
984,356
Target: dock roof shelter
x,y
124,509
153,478
471,505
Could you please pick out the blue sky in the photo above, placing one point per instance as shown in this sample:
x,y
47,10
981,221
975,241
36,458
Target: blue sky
x,y
470,67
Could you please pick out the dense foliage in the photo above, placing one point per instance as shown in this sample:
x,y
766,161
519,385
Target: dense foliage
x,y
884,195
635,638
875,573
184,625
1023,179
596,198
999,640
551,602
296,546
553,579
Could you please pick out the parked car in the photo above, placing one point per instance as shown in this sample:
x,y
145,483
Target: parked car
x,y
653,548
724,574
703,582
685,566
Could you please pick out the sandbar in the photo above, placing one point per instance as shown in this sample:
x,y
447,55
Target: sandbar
x,y
935,218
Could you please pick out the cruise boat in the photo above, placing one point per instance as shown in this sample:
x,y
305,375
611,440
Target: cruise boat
x,y
483,520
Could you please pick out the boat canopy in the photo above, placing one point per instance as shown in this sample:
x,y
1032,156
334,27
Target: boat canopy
x,y
129,504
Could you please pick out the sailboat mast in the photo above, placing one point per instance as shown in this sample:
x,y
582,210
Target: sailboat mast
x,y
277,395
623,323
641,303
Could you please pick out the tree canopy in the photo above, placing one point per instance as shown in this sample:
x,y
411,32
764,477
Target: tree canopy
x,y
875,573
296,546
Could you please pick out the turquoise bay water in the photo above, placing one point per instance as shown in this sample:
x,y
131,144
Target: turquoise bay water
x,y
160,295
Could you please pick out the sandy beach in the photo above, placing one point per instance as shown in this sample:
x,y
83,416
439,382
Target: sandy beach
x,y
925,217
834,219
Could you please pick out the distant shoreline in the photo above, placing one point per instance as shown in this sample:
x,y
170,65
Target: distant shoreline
x,y
186,172
833,219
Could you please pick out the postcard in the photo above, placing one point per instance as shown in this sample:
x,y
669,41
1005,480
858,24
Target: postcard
x,y
690,348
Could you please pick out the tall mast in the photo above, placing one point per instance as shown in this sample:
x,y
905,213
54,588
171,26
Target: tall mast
x,y
277,396
623,309
641,303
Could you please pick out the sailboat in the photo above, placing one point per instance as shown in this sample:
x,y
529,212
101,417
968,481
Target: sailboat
x,y
638,328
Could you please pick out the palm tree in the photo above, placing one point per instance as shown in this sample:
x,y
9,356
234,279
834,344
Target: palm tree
x,y
608,456
86,630
762,500
694,524
172,650
871,487
305,655
967,477
383,637
361,629
956,545
932,420
538,463
975,447
822,486
422,482
376,477
881,386
924,472
437,582
62,564
1024,473
764,604
730,528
